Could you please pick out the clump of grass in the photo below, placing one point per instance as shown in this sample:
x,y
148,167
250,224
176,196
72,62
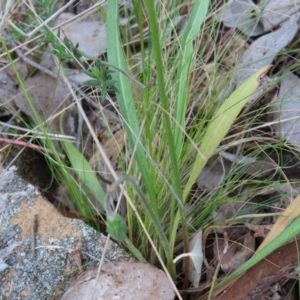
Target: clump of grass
x,y
172,127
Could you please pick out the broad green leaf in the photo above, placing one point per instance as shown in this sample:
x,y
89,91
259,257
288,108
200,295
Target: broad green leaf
x,y
221,122
84,171
116,227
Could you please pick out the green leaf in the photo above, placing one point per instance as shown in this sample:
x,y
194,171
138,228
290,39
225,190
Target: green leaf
x,y
91,82
85,172
89,73
221,122
116,227
96,73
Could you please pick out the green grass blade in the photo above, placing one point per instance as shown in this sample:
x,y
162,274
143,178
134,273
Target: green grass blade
x,y
192,29
220,124
125,96
168,135
85,172
116,227
154,220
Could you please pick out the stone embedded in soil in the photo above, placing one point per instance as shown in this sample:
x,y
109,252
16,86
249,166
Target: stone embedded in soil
x,y
47,273
125,280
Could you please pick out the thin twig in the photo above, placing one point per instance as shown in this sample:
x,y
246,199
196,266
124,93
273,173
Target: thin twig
x,y
100,265
28,145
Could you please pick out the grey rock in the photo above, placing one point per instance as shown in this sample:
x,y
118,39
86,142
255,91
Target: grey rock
x,y
63,247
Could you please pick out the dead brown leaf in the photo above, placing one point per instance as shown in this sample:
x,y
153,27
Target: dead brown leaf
x,y
285,109
238,252
243,15
256,280
263,51
276,12
89,35
49,97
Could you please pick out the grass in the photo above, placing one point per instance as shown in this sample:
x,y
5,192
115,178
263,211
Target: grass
x,y
168,143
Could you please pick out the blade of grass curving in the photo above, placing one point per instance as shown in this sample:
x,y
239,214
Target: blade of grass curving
x,y
84,208
23,88
221,122
125,97
186,53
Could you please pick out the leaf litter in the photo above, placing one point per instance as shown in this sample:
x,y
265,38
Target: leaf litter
x,y
242,15
268,28
92,41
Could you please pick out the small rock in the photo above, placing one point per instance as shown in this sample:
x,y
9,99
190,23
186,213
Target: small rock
x,y
124,280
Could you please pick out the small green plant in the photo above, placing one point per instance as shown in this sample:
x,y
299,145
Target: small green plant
x,y
62,49
66,52
101,78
